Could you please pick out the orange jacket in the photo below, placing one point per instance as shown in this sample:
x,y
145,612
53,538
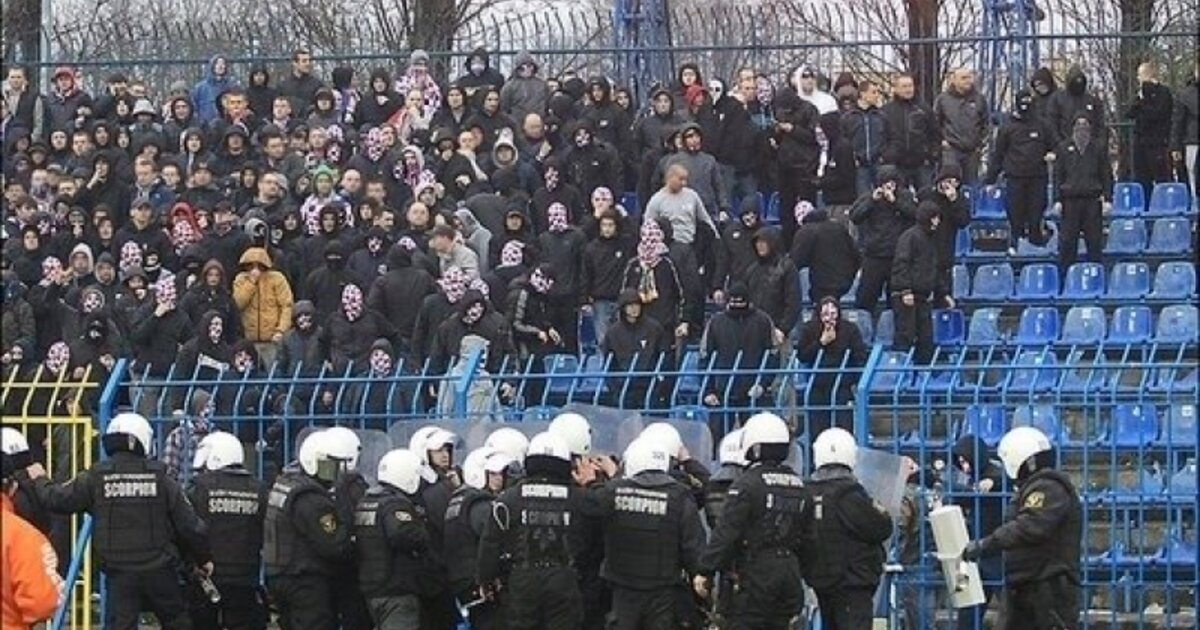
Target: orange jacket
x,y
30,587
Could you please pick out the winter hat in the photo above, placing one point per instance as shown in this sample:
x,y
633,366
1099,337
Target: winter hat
x,y
143,106
453,284
739,295
352,302
58,357
556,216
512,254
949,170
418,56
651,247
381,358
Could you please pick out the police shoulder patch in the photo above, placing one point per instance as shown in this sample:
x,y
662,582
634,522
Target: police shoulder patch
x,y
328,523
1035,500
403,517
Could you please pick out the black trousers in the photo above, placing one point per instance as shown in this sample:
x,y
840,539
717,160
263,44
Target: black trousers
x,y
1080,216
876,274
914,326
157,591
847,608
304,602
1026,208
1151,165
544,599
352,610
794,185
241,608
635,609
1052,605
564,316
769,594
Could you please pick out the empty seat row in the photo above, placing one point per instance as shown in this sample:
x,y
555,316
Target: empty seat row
x,y
1084,325
1040,282
1129,425
1166,237
1129,199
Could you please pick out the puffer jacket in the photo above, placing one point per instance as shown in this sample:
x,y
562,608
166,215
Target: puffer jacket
x,y
265,306
520,96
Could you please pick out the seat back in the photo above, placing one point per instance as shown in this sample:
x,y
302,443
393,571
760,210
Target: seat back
x,y
984,328
1178,323
990,204
1128,199
1170,236
1129,280
885,328
1038,325
1175,279
1038,281
1043,418
949,327
1169,198
1130,324
986,422
1084,280
993,282
862,319
960,281
1084,325
1126,236
1134,425
1180,428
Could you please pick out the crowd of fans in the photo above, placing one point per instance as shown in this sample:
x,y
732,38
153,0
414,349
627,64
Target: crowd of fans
x,y
252,221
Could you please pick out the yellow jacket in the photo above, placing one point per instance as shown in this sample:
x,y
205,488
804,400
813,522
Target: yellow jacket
x,y
265,305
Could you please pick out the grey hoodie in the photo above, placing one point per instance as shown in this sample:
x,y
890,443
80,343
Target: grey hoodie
x,y
963,119
477,237
521,96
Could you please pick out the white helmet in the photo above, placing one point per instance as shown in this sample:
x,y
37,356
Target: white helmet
x,y
575,430
342,444
222,450
835,446
549,445
646,454
764,428
509,441
473,467
1018,445
400,469
12,441
134,425
730,451
430,438
311,453
665,436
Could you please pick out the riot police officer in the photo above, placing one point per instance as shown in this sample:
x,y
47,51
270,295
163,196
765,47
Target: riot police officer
x,y
531,539
391,537
468,513
652,541
845,555
25,501
434,446
759,535
509,441
1041,540
144,526
232,502
349,488
684,468
304,538
732,462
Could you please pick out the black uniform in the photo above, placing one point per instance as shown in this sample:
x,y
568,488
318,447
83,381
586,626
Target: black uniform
x,y
1084,178
232,502
845,553
348,598
652,536
303,540
143,527
437,600
1041,553
759,538
532,539
1019,152
880,223
915,271
468,513
391,540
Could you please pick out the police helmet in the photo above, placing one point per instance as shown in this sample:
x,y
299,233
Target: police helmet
x,y
575,430
730,451
765,436
343,445
311,453
401,469
12,441
128,432
223,450
473,467
665,436
645,454
509,441
416,443
835,446
1020,445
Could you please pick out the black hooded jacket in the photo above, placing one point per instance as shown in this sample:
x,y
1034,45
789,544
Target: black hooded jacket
x,y
737,256
643,338
202,357
1041,104
773,282
489,78
261,98
915,265
798,149
1071,100
324,284
398,294
847,338
881,221
375,108
611,123
826,248
649,130
447,340
603,266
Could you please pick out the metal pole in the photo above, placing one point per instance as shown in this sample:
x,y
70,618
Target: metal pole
x,y
45,56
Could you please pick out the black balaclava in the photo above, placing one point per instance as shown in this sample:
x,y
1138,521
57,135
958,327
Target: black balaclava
x,y
1024,104
1081,132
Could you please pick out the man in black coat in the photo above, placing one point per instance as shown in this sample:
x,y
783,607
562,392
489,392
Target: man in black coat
x,y
881,214
1019,153
798,155
1066,103
740,338
954,212
916,284
633,343
827,249
773,283
830,338
1084,177
398,294
1151,115
910,133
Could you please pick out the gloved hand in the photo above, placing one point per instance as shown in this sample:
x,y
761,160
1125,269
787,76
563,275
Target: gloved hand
x,y
973,551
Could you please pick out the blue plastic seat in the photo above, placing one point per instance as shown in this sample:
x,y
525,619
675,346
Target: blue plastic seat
x,y
563,370
984,328
862,319
1128,199
891,375
1045,419
962,243
539,413
1175,280
1131,325
1038,326
1034,370
587,332
1178,323
949,327
1169,199
1085,280
1084,325
1126,236
1170,236
1038,282
993,282
1083,374
960,281
1180,427
1131,426
691,413
986,422
885,329
1129,280
990,204
630,202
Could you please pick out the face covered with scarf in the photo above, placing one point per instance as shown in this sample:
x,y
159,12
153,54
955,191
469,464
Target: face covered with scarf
x,y
453,284
164,291
512,254
551,178
51,270
373,145
58,357
131,255
541,281
381,362
556,217
651,247
216,328
474,312
352,302
91,301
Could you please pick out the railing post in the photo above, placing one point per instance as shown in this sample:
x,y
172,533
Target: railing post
x,y
862,394
462,386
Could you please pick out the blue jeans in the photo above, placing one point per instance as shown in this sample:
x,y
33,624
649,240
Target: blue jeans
x,y
864,178
604,312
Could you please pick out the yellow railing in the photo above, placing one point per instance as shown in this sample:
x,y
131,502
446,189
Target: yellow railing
x,y
51,411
